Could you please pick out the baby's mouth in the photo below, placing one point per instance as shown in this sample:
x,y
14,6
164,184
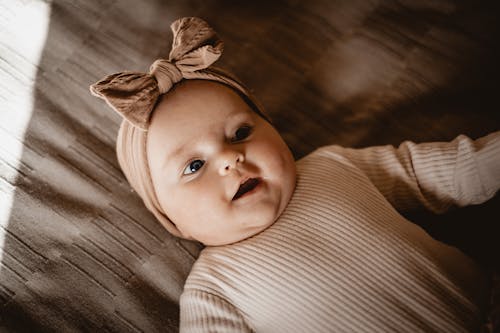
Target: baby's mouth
x,y
246,187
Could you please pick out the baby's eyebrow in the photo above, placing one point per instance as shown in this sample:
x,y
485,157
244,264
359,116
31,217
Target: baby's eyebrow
x,y
176,154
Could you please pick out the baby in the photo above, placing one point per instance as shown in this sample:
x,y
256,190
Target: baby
x,y
315,245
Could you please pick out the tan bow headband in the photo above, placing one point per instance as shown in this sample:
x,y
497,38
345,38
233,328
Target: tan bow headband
x,y
134,95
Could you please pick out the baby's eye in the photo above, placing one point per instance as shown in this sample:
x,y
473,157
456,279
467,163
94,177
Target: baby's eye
x,y
193,166
242,133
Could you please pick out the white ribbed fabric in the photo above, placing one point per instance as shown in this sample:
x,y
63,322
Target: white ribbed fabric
x,y
342,259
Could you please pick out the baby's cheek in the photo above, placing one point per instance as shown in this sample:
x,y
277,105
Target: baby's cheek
x,y
181,201
274,155
188,210
205,195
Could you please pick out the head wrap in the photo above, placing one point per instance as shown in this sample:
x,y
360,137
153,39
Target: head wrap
x,y
134,95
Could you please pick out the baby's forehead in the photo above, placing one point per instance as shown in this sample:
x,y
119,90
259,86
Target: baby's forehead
x,y
209,95
194,110
199,101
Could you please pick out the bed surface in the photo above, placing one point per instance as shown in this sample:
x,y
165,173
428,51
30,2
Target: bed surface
x,y
78,250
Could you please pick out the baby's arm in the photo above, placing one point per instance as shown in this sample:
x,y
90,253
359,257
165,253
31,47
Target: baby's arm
x,y
204,312
437,175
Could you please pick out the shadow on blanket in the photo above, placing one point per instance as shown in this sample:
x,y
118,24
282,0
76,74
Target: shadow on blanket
x,y
80,251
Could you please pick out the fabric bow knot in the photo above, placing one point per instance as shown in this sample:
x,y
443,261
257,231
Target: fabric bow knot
x,y
133,95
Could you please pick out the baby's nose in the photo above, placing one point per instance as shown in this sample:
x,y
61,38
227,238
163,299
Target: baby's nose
x,y
229,161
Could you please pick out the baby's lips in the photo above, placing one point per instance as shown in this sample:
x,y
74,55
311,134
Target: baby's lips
x,y
248,185
237,186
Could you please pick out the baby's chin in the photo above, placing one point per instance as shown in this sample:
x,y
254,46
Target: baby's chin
x,y
233,236
237,224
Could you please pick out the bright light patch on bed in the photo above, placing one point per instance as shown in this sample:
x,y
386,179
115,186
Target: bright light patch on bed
x,y
23,30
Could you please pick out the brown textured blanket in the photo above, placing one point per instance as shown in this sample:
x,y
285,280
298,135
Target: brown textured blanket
x,y
78,250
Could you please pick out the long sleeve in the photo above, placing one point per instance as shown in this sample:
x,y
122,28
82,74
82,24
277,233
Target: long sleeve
x,y
437,175
204,312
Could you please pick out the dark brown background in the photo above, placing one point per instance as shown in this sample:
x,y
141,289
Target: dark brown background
x,y
80,251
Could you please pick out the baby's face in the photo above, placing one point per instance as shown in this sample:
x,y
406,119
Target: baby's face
x,y
220,171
